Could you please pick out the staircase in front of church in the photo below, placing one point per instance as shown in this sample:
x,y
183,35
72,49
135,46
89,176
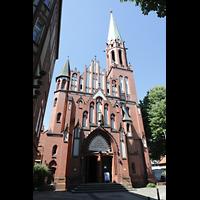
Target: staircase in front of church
x,y
101,187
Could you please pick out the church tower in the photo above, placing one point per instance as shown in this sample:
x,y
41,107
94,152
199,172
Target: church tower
x,y
115,49
57,120
96,126
117,64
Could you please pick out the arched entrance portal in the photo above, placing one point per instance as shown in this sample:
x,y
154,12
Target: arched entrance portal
x,y
100,152
96,167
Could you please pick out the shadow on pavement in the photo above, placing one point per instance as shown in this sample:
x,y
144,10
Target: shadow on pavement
x,y
49,195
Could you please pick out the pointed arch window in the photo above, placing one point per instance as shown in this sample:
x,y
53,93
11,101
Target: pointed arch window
x,y
114,88
112,121
55,102
108,91
99,108
113,56
92,112
138,110
74,82
127,110
63,84
38,30
128,128
76,141
123,152
76,133
58,85
58,117
106,114
144,141
120,57
121,84
85,117
87,81
81,85
54,149
126,83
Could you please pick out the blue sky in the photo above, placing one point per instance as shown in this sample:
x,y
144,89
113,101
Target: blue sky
x,y
84,32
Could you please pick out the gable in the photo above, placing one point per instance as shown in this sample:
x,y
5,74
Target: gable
x,y
99,94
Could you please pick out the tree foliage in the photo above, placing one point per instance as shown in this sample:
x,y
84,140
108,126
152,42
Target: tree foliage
x,y
40,172
153,108
151,5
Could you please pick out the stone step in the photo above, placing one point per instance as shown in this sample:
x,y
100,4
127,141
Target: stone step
x,y
101,187
98,190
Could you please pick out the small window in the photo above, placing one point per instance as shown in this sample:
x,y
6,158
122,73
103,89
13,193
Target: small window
x,y
85,115
127,87
114,88
63,84
107,85
98,109
55,102
74,82
138,110
106,113
76,133
48,3
120,57
58,117
76,141
144,142
127,110
91,112
80,104
37,31
58,85
128,129
81,85
123,151
54,151
113,56
121,84
112,121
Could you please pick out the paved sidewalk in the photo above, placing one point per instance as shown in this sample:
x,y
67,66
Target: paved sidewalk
x,y
152,192
138,194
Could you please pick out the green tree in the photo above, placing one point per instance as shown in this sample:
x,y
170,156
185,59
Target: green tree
x,y
153,108
151,5
40,172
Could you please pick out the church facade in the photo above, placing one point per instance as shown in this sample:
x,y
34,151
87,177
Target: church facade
x,y
96,131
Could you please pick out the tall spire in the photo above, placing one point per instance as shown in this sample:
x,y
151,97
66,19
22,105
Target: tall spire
x,y
65,70
113,30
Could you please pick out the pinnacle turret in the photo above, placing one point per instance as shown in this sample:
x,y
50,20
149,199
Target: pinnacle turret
x,y
65,70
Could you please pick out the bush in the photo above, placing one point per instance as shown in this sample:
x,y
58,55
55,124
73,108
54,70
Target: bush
x,y
163,174
40,172
163,177
149,185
